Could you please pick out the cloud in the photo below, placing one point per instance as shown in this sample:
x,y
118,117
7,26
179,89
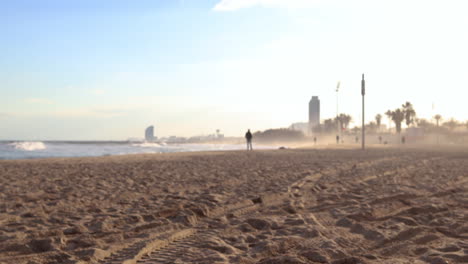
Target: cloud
x,y
38,101
233,5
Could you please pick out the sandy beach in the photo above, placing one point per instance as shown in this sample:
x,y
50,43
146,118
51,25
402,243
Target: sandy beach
x,y
278,206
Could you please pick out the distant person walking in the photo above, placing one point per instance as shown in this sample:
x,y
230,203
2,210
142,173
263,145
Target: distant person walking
x,y
337,139
380,139
248,137
403,140
315,140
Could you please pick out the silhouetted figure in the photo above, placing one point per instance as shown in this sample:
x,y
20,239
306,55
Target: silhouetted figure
x,y
357,139
380,139
337,139
403,140
248,137
315,140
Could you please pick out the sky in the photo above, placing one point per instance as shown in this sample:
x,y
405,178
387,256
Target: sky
x,y
107,69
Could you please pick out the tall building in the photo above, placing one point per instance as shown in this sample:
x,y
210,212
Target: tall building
x,y
314,112
149,134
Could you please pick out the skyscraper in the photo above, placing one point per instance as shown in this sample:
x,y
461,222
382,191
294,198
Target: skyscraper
x,y
314,112
149,134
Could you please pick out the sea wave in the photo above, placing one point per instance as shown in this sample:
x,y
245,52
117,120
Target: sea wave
x,y
147,145
28,145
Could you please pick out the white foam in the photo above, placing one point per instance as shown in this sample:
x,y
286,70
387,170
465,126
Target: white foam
x,y
29,146
147,145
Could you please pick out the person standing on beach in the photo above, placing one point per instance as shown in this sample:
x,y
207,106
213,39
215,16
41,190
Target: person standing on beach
x,y
248,137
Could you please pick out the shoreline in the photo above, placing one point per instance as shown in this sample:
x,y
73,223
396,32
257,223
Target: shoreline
x,y
279,146
41,150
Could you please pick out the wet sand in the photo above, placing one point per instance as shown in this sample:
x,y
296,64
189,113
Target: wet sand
x,y
280,206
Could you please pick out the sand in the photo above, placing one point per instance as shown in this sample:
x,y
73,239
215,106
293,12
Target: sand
x,y
277,206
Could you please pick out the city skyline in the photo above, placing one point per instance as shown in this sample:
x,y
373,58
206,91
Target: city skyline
x,y
106,70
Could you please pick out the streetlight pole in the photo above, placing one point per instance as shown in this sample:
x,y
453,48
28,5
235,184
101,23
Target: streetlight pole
x,y
363,93
338,125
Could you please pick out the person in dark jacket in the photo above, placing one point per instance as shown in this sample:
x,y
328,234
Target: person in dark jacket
x,y
248,137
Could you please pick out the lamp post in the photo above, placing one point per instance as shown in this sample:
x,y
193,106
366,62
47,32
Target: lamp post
x,y
338,125
363,93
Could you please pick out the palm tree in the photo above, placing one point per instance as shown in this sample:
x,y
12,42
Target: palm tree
x,y
437,118
389,117
398,116
378,120
343,120
409,113
346,119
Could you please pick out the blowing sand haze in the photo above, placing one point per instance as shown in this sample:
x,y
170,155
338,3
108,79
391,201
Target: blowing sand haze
x,y
285,206
233,131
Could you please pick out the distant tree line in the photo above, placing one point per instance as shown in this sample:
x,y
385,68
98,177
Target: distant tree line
x,y
280,134
332,125
406,114
449,126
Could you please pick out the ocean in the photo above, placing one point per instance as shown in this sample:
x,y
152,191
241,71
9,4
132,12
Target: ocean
x,y
54,149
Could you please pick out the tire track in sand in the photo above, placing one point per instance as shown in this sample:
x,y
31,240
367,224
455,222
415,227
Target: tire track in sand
x,y
168,247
